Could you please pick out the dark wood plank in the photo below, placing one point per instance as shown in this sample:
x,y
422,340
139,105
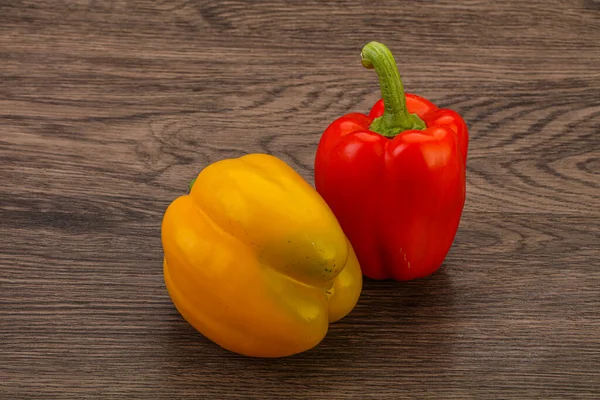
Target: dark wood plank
x,y
107,109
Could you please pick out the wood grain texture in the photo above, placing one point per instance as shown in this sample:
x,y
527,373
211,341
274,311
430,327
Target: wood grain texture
x,y
108,108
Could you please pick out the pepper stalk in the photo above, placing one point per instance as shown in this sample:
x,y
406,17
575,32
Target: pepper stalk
x,y
396,117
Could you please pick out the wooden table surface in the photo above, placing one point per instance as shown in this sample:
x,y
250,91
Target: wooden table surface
x,y
109,108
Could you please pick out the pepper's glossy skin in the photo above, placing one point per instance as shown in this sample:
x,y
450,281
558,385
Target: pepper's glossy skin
x,y
399,200
256,261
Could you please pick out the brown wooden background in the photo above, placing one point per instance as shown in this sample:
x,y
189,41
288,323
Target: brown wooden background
x,y
109,108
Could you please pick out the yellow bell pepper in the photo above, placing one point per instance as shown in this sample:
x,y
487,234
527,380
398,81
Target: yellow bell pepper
x,y
256,261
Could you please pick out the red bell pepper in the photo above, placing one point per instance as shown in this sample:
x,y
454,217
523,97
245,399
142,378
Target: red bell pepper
x,y
395,178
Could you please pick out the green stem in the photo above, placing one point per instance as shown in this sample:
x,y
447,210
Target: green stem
x,y
395,118
191,184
